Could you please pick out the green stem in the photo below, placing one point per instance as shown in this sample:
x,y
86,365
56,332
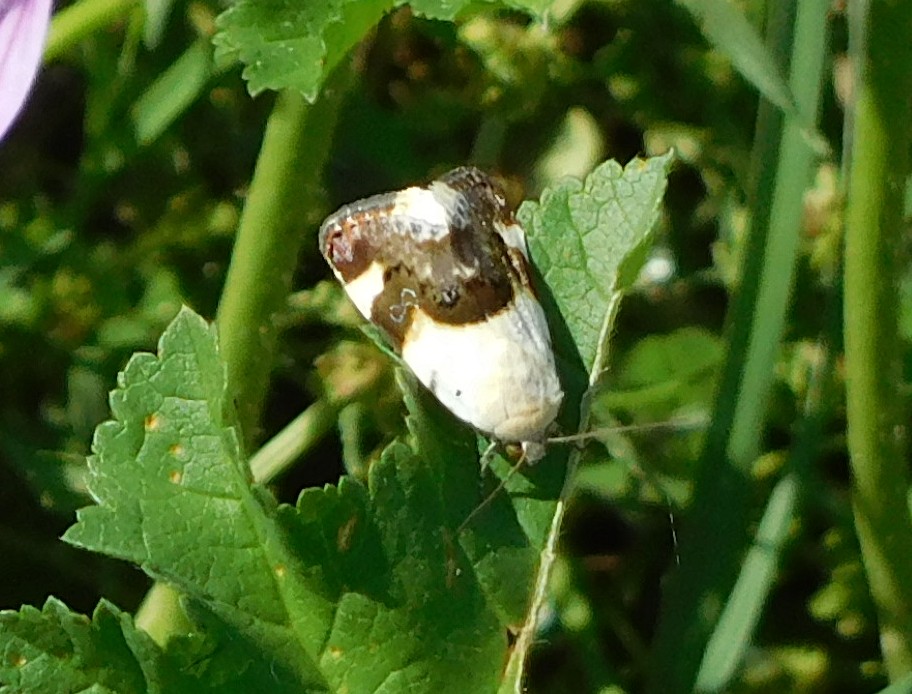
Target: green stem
x,y
283,203
715,536
160,614
874,229
283,209
81,19
299,436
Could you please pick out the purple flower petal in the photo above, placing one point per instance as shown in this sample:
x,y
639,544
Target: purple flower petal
x,y
23,29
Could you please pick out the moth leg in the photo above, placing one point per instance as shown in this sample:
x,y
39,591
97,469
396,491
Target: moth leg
x,y
493,495
487,456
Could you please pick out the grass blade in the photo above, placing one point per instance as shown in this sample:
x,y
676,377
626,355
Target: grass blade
x,y
725,27
874,227
713,540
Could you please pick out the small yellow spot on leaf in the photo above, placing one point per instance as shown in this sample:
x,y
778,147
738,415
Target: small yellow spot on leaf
x,y
20,660
153,421
176,450
280,571
175,477
335,652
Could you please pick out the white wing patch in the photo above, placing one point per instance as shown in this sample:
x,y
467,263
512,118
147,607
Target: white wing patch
x,y
498,375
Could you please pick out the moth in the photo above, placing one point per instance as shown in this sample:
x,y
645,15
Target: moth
x,y
443,270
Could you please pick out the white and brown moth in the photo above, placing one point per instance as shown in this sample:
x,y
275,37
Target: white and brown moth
x,y
444,271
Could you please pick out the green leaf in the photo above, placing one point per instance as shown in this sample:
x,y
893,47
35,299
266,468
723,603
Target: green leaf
x,y
450,9
175,497
437,9
55,650
358,588
289,44
500,541
588,240
685,354
412,616
725,27
662,373
901,686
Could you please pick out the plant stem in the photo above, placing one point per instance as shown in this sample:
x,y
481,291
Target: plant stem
x,y
715,536
283,208
283,202
160,614
73,24
879,166
303,433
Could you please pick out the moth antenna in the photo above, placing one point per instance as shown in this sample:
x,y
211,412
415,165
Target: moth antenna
x,y
674,534
490,497
680,424
656,484
692,423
